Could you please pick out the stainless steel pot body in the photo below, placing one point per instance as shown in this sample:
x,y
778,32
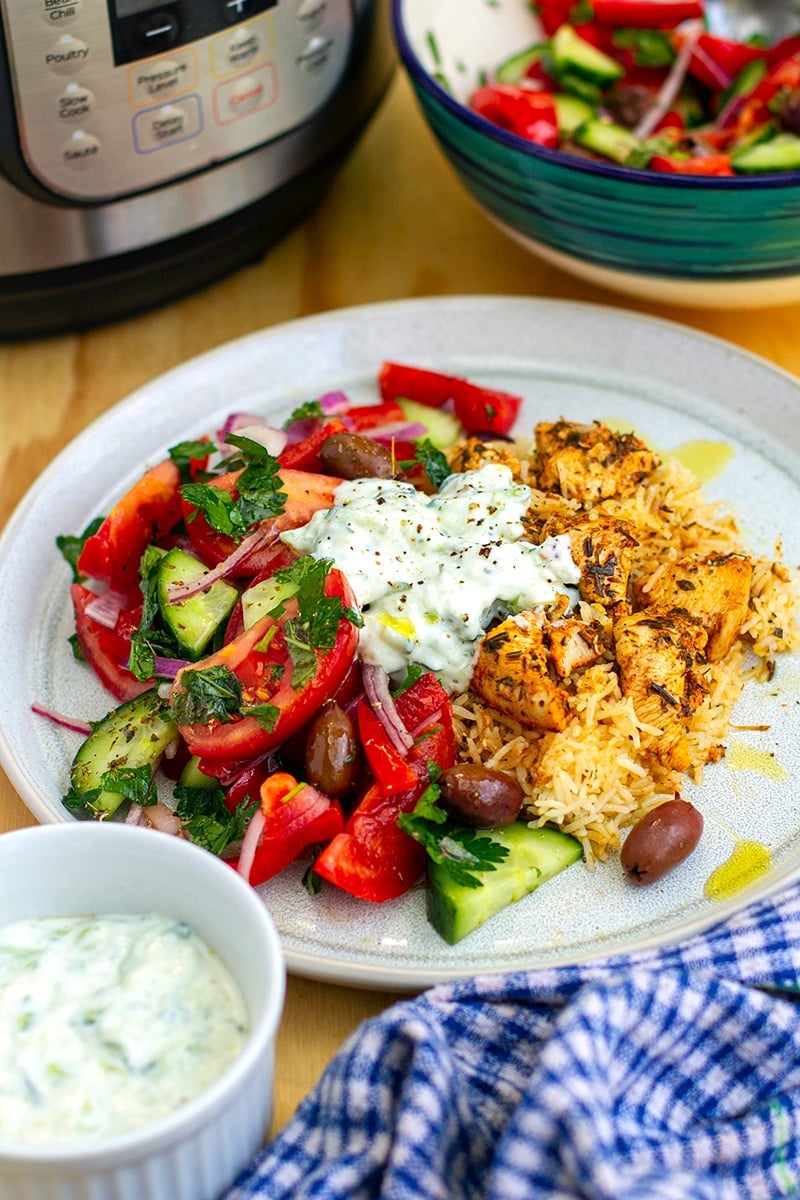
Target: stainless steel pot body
x,y
130,177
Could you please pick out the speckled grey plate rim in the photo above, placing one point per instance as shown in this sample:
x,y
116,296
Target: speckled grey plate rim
x,y
563,356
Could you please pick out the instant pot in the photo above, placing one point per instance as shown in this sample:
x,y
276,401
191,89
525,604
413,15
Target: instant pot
x,y
148,147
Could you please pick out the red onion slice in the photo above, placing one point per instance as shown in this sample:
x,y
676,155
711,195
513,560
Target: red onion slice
x,y
250,843
398,431
334,403
253,541
376,686
672,84
59,719
105,609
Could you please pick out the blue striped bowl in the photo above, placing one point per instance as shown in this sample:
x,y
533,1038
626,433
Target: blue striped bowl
x,y
704,242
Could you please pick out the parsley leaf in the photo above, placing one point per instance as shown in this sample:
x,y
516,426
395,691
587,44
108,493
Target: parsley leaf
x,y
206,818
304,412
258,486
70,546
433,460
186,452
464,853
210,693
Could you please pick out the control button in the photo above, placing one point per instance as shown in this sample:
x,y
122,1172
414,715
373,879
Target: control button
x,y
60,13
67,56
80,149
316,54
162,78
247,94
249,44
75,101
236,10
166,125
312,12
158,32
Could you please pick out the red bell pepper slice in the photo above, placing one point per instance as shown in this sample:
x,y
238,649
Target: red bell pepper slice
x,y
148,509
296,816
374,859
716,62
432,388
392,772
553,13
304,455
528,114
478,408
646,14
107,650
372,416
709,164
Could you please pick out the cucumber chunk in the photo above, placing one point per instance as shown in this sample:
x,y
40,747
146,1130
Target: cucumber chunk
x,y
573,55
194,621
781,153
604,137
512,69
443,428
534,856
134,735
571,112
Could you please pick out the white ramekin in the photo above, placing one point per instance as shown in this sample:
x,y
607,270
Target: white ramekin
x,y
195,1152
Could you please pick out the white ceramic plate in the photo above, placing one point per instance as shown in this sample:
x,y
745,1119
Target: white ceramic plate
x,y
579,361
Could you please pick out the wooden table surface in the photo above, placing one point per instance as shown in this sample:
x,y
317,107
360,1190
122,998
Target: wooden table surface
x,y
395,224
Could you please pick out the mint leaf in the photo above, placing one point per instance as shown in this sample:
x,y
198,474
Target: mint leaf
x,y
210,693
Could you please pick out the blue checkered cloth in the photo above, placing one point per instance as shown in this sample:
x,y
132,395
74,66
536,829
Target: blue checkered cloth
x,y
671,1074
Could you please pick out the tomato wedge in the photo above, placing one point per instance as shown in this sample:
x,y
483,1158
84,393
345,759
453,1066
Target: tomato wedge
x,y
107,650
306,491
260,659
374,859
148,509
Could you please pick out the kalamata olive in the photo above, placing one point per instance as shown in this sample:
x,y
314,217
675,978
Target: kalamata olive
x,y
480,796
355,456
332,751
663,838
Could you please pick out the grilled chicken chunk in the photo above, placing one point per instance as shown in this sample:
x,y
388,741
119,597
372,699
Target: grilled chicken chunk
x,y
590,462
512,674
659,657
473,454
572,645
603,548
715,590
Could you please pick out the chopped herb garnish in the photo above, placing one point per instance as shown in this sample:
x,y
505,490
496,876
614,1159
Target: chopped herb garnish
x,y
305,412
185,453
210,693
464,853
206,818
318,616
266,714
432,459
258,486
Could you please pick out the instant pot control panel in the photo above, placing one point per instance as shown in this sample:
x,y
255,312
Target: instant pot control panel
x,y
115,97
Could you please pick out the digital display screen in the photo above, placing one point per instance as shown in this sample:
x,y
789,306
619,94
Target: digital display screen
x,y
130,8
